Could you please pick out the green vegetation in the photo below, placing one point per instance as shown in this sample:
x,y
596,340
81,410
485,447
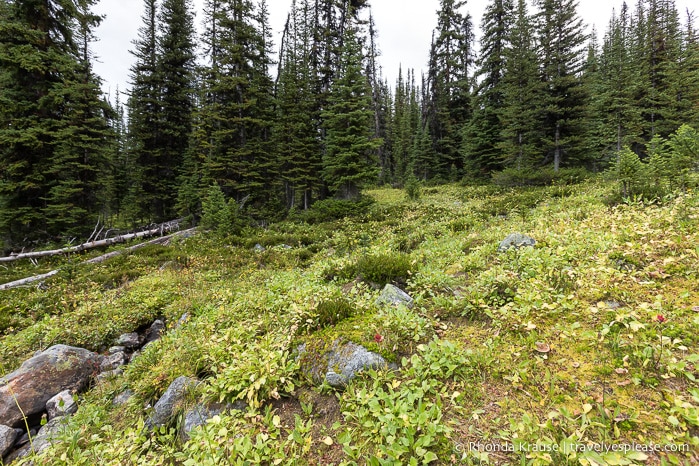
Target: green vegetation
x,y
544,348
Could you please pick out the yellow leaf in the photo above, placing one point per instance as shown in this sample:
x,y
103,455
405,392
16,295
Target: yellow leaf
x,y
328,441
276,421
587,407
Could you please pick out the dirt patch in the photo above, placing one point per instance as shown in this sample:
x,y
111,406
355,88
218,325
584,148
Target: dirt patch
x,y
324,411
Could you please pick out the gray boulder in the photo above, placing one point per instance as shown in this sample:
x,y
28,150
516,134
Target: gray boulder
x,y
199,414
516,240
38,379
7,439
339,365
173,397
113,361
116,349
106,375
129,340
62,404
259,248
43,439
392,295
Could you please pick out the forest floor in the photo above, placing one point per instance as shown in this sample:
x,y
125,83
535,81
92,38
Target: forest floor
x,y
581,350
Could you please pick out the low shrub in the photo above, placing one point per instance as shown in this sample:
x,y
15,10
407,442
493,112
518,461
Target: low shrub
x,y
333,311
384,268
333,209
512,177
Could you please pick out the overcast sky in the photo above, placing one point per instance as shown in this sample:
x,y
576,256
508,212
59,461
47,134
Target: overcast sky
x,y
404,31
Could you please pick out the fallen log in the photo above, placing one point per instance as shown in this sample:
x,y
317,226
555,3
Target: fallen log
x,y
157,230
94,260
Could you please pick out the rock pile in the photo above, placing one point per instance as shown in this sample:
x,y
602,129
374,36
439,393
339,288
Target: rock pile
x,y
46,386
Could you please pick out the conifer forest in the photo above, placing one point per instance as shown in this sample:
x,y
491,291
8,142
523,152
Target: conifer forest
x,y
277,127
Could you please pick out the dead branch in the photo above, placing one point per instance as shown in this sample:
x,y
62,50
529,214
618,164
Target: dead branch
x,y
94,260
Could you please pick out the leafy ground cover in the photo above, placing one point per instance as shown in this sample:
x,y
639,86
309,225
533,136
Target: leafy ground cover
x,y
541,355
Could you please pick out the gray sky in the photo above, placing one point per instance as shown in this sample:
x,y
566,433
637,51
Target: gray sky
x,y
404,31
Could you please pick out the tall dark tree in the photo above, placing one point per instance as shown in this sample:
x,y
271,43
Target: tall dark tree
x,y
449,84
78,164
350,158
144,106
520,116
48,94
296,134
482,136
175,65
561,39
240,101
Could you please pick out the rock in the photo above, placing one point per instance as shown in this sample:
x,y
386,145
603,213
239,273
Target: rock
x,y
199,414
155,331
339,365
24,438
165,408
7,439
259,248
116,349
113,361
516,240
392,295
104,376
62,404
123,397
42,440
38,379
129,340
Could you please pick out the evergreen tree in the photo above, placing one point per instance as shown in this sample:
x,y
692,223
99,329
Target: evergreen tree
x,y
563,102
614,113
47,95
482,139
520,117
78,163
296,132
349,161
656,50
449,84
144,105
175,64
240,101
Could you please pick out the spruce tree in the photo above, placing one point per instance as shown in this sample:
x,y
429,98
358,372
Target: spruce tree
x,y
175,65
349,162
240,105
449,84
561,39
296,134
144,105
482,136
520,117
51,116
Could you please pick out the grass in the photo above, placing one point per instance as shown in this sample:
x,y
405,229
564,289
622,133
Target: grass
x,y
534,356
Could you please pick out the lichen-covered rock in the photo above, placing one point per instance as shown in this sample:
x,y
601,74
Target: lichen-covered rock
x,y
516,240
116,349
62,404
173,397
340,364
38,379
129,340
199,414
113,361
392,295
7,439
